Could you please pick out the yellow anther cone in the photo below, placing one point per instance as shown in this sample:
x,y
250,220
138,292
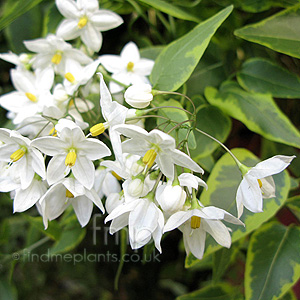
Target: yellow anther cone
x,y
82,22
259,182
149,158
195,222
70,77
17,155
31,97
97,129
56,58
53,132
69,194
130,66
71,159
116,175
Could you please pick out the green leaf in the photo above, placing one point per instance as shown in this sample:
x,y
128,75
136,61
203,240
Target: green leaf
x,y
14,9
277,32
171,10
213,292
258,112
51,20
222,259
222,186
263,76
288,296
179,116
262,5
53,231
31,24
273,262
70,237
7,290
177,61
213,121
151,52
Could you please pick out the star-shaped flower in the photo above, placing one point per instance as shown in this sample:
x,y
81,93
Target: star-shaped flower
x,y
71,151
257,183
128,68
156,146
84,19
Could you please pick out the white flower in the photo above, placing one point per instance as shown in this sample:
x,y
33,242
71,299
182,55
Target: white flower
x,y
84,19
139,95
71,151
69,192
76,75
156,146
54,51
145,221
196,222
32,95
114,114
26,160
257,183
128,68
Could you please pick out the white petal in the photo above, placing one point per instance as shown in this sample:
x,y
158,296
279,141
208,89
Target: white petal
x,y
112,63
91,37
93,149
38,163
218,231
83,208
177,219
84,171
268,187
56,169
271,166
49,145
68,30
68,8
184,160
130,53
105,20
92,195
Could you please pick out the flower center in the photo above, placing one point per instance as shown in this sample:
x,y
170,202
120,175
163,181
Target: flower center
x,y
149,158
71,158
260,183
56,58
18,154
53,132
130,66
195,222
69,194
97,129
70,77
31,97
82,22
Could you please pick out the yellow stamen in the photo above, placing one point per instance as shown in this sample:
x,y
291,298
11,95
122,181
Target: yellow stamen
x,y
116,175
97,129
53,132
31,97
70,77
149,158
17,155
259,182
71,158
69,194
82,22
130,66
195,222
71,103
56,58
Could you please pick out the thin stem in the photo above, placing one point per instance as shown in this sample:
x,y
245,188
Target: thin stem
x,y
108,77
178,125
159,107
239,164
42,130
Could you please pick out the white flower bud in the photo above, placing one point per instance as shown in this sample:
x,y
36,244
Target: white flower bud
x,y
136,187
60,93
170,198
139,95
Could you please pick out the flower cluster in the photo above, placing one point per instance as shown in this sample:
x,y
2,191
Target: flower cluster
x,y
56,156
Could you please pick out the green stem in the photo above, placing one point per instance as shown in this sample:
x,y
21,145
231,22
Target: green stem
x,y
239,164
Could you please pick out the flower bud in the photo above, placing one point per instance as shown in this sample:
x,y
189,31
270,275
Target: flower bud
x,y
170,198
139,95
136,187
